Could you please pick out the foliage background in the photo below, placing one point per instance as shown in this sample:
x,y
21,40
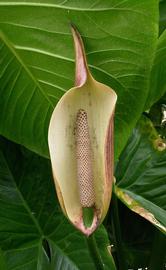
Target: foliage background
x,y
125,46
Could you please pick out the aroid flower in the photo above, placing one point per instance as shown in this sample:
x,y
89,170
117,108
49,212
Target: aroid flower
x,y
81,146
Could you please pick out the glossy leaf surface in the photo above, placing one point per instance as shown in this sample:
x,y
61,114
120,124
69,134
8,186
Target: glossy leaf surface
x,y
38,61
141,174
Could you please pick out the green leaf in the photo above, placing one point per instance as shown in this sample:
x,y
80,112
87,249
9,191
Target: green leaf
x,y
158,73
34,234
38,61
140,174
162,24
2,261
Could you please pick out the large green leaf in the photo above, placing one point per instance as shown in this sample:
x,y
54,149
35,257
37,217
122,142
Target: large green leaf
x,y
33,232
141,174
37,60
158,73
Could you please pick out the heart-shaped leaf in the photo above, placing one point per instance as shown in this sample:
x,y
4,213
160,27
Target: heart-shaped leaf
x,y
37,61
141,174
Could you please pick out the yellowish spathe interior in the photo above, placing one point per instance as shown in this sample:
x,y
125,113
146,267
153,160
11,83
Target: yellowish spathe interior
x,y
98,101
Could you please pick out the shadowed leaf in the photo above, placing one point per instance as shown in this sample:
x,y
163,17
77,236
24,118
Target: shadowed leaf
x,y
141,172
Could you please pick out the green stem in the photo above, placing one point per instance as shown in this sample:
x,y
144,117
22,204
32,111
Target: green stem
x,y
117,233
158,256
92,245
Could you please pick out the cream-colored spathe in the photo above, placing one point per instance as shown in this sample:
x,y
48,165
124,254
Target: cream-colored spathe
x,y
98,101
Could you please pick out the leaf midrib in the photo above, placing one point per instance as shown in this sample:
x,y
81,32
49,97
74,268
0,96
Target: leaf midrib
x,y
51,5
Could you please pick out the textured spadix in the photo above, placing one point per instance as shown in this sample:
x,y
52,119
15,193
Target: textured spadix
x,y
81,145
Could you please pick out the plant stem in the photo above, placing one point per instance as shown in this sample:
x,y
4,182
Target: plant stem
x,y
92,245
158,256
117,233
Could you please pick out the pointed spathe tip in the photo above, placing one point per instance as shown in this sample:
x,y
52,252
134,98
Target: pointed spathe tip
x,y
82,71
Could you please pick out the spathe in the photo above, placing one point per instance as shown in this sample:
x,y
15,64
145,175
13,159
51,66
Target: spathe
x,y
97,102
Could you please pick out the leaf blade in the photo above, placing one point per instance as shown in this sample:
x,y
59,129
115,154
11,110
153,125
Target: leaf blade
x,y
158,74
141,173
117,54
